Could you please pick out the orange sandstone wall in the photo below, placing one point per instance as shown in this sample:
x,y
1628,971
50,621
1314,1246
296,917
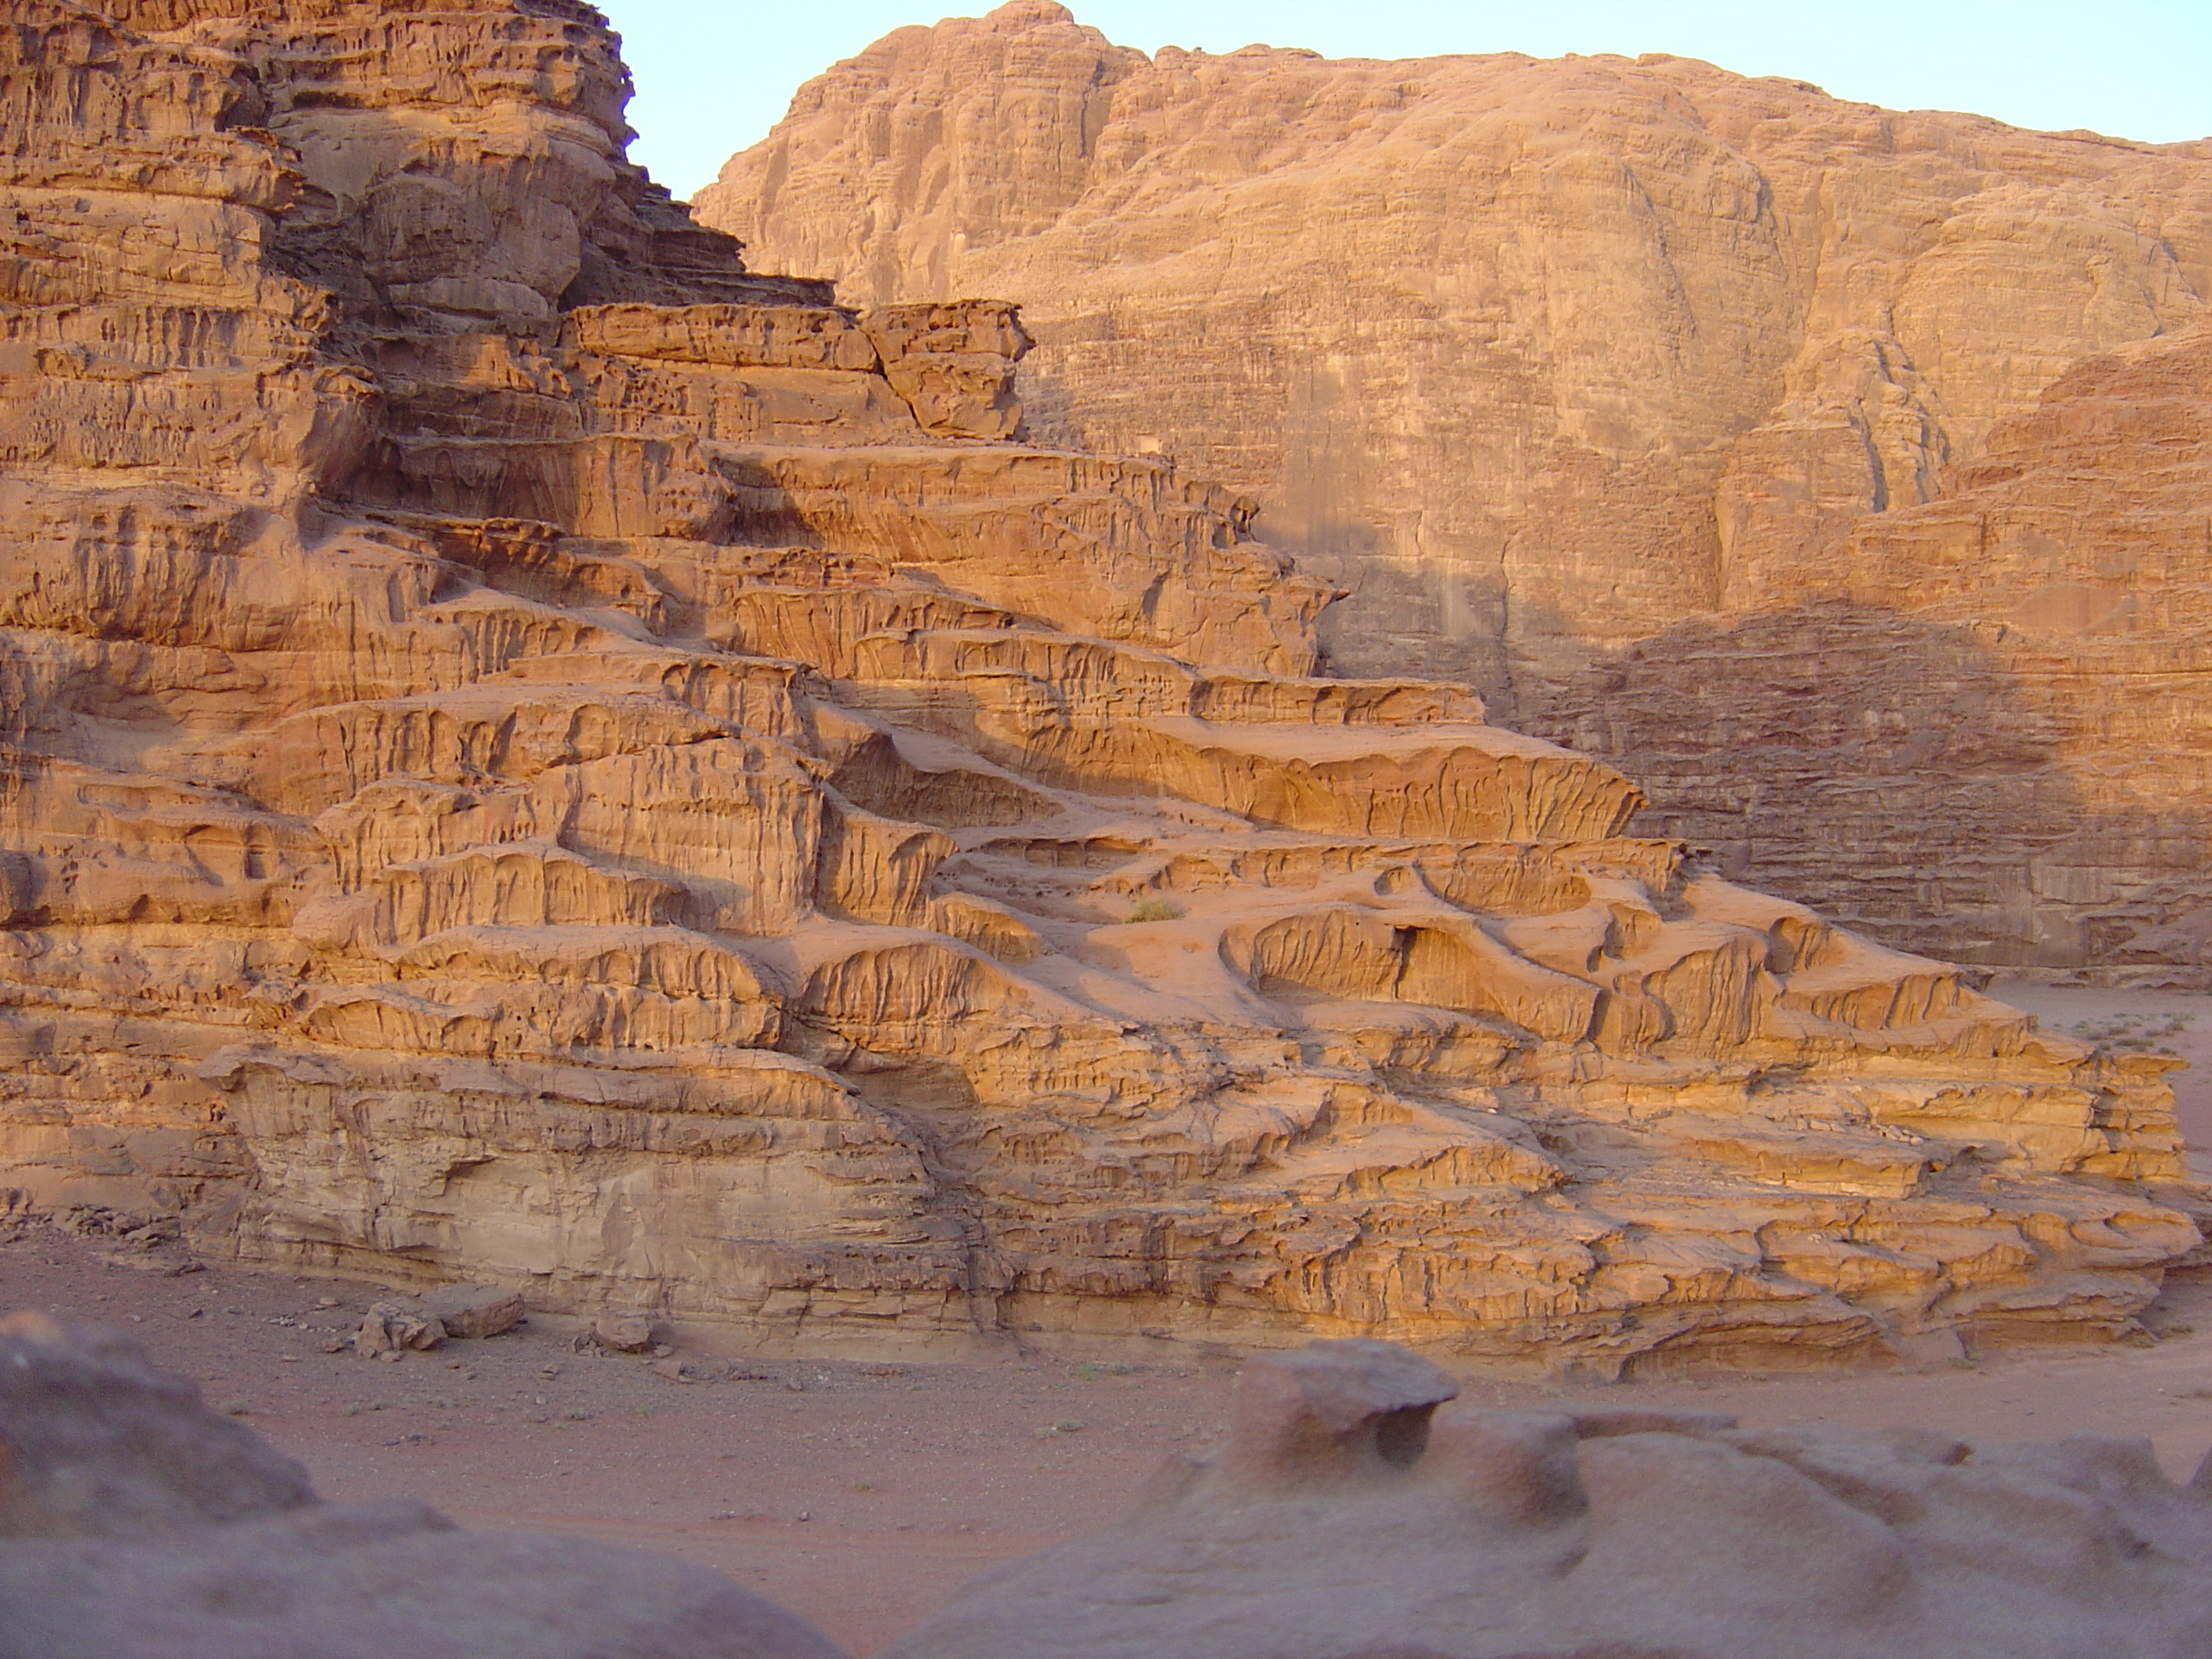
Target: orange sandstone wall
x,y
1620,389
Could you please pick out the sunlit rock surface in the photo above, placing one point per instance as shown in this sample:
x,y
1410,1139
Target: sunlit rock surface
x,y
535,754
1636,393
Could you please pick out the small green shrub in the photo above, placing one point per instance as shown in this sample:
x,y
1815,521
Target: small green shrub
x,y
1156,910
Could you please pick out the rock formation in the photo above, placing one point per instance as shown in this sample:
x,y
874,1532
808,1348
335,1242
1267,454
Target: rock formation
x,y
537,755
134,1523
1347,1516
1630,392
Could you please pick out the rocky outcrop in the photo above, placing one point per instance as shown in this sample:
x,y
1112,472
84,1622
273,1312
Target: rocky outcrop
x,y
134,1523
1348,1515
537,754
1625,391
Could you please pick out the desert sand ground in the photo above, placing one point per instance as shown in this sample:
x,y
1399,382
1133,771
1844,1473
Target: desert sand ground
x,y
861,1493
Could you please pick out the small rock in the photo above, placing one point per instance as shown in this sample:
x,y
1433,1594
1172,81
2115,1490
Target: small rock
x,y
170,1264
693,1370
235,1408
391,1327
623,1333
794,1385
474,1311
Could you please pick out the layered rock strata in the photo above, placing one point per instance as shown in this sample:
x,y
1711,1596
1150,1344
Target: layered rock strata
x,y
1624,391
537,754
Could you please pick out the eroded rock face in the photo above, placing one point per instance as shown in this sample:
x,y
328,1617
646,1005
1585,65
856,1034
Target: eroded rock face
x,y
1604,384
535,755
1339,1520
134,1523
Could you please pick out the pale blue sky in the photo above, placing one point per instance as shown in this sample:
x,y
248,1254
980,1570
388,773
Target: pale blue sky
x,y
713,76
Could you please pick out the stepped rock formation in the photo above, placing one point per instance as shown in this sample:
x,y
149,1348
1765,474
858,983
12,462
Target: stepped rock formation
x,y
1633,393
1347,1516
536,754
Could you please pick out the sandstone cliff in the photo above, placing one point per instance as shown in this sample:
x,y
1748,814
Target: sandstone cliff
x,y
1601,385
534,752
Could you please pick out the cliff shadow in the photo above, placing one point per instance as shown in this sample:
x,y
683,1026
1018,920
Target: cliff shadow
x,y
1897,774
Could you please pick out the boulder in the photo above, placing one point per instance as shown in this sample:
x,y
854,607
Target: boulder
x,y
623,1333
94,1442
473,1312
135,1524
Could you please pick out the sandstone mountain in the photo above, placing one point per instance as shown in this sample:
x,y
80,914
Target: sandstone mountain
x,y
1642,396
537,754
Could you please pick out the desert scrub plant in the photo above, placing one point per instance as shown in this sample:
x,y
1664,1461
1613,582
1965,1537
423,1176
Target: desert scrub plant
x,y
1156,910
2134,1033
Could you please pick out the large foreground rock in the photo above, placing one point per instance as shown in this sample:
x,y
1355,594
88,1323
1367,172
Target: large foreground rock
x,y
531,753
1639,394
1347,1515
1340,1521
136,1524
